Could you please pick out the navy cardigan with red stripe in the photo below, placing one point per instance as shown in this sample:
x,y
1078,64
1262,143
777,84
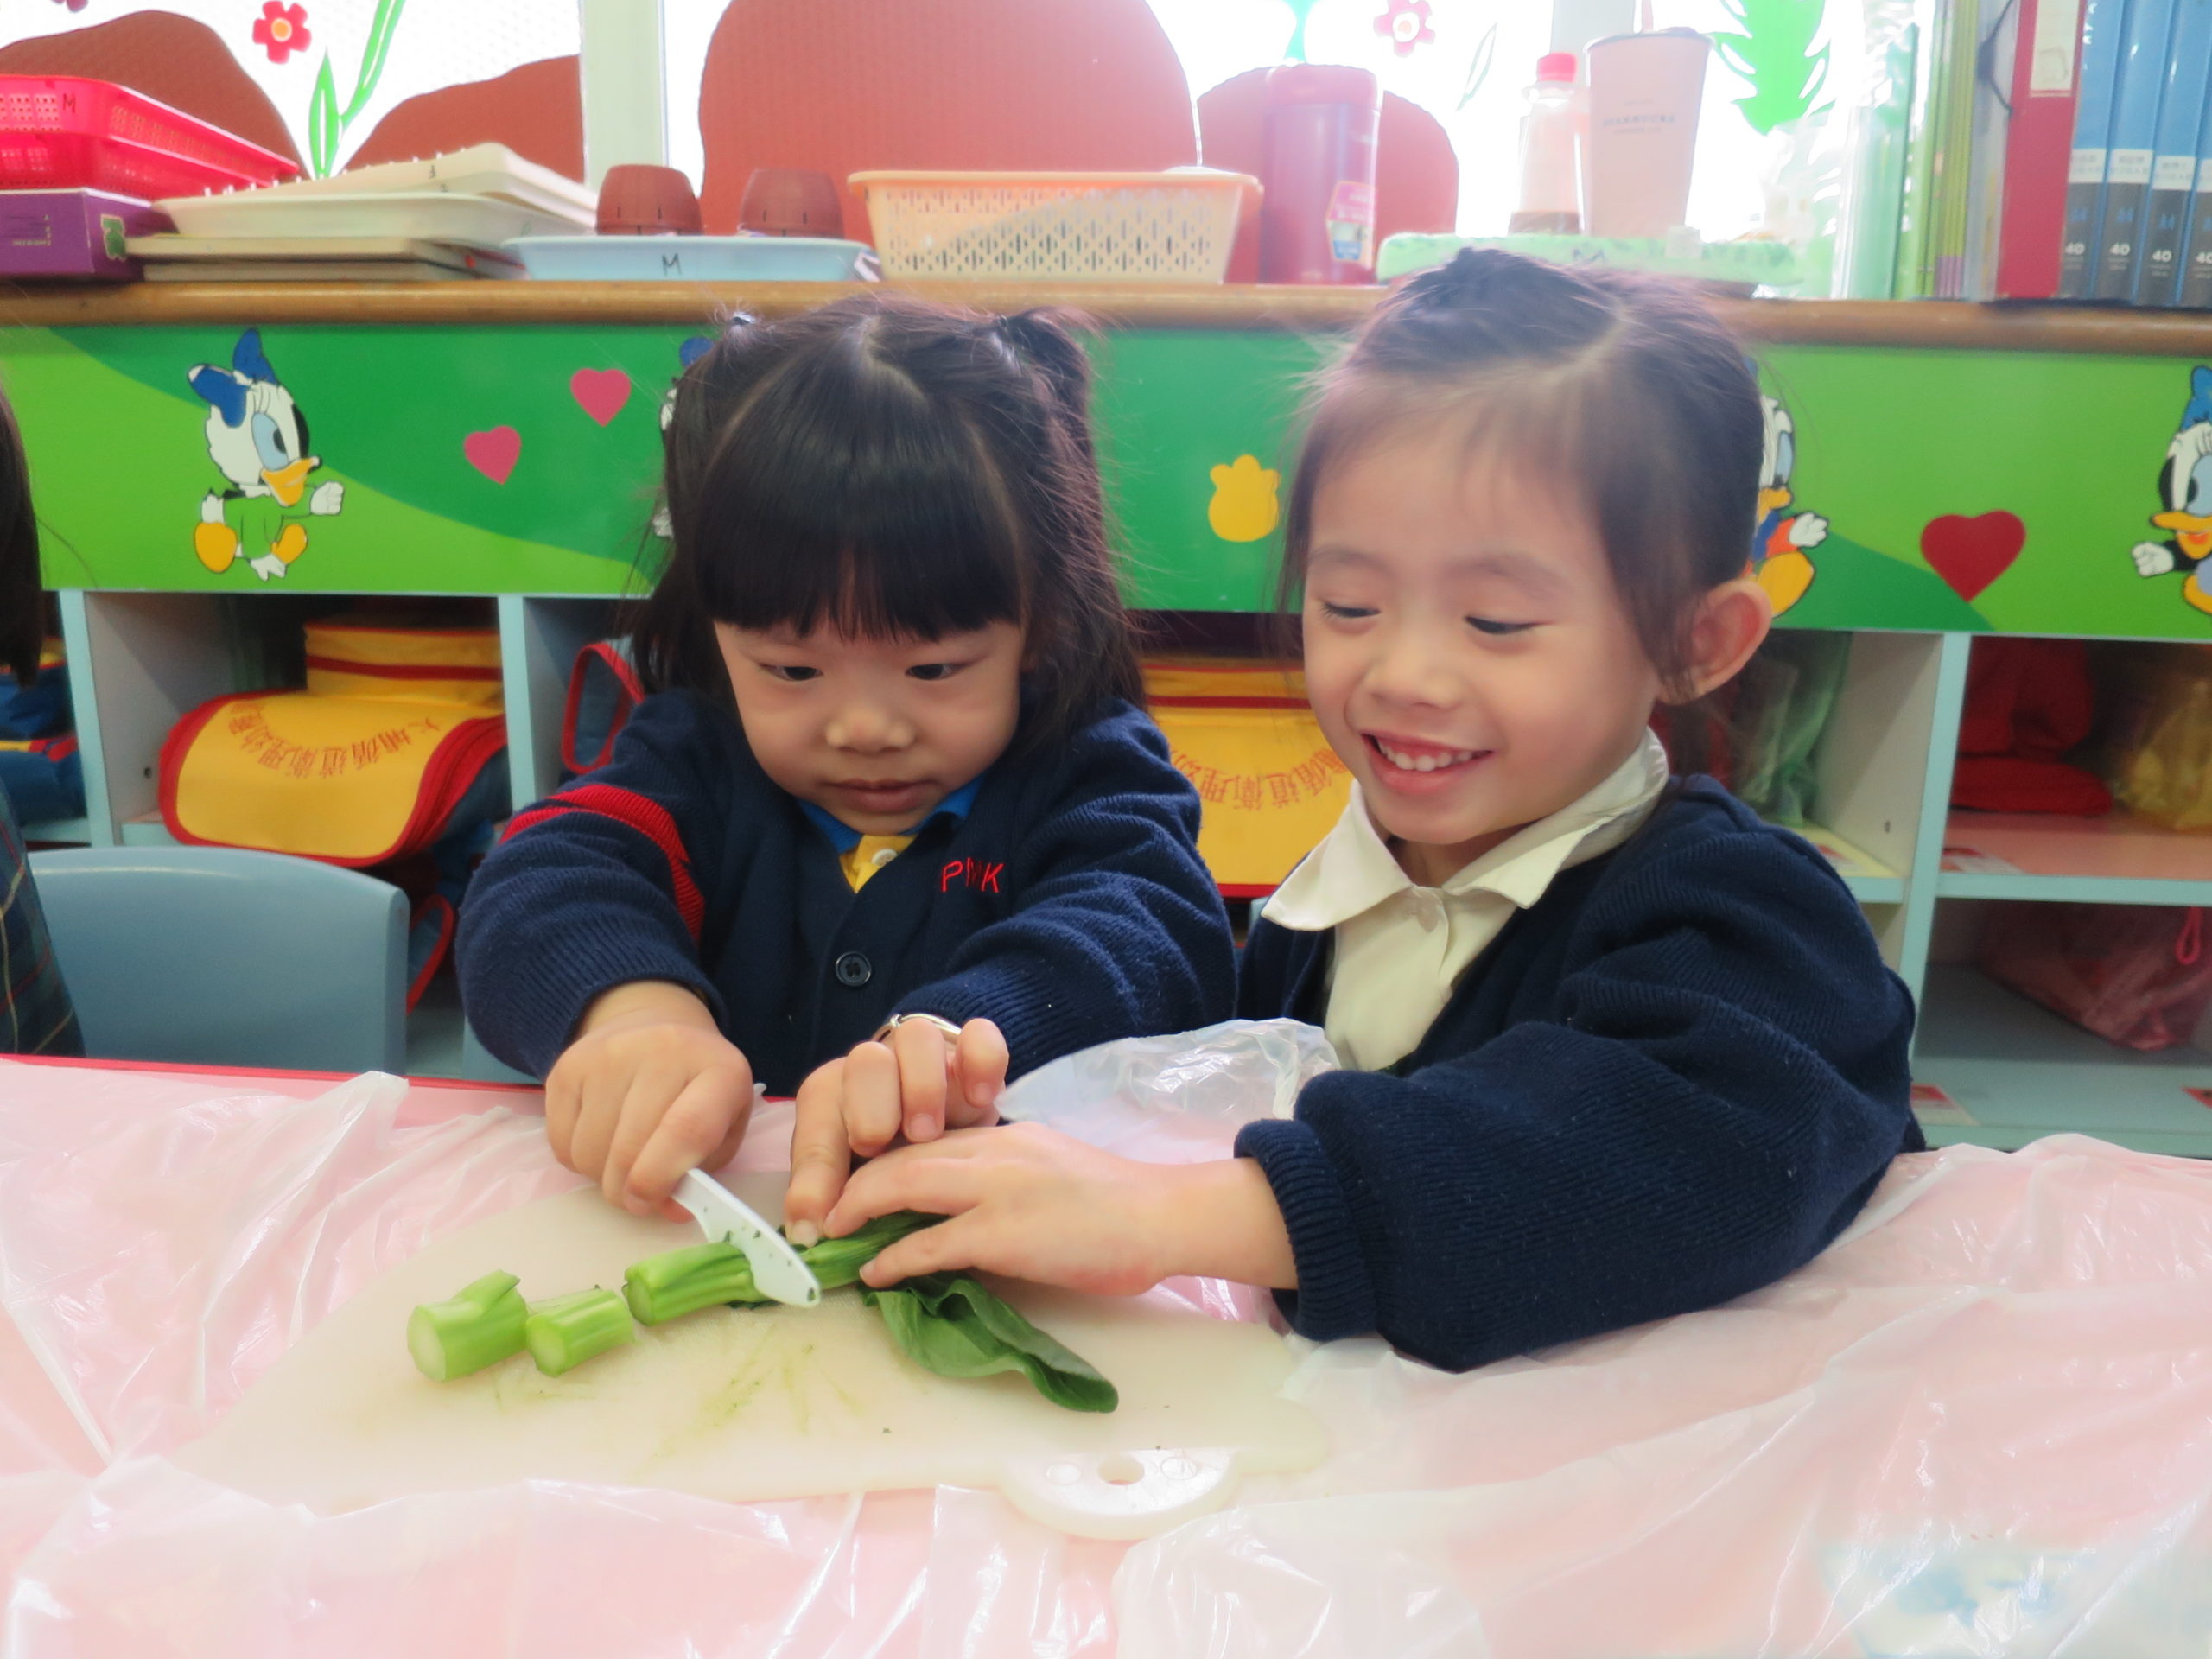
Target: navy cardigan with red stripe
x,y
1068,905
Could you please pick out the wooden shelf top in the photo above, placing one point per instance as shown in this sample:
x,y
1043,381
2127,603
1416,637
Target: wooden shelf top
x,y
1922,323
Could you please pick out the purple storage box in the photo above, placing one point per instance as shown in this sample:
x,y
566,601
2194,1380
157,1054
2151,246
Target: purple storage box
x,y
74,233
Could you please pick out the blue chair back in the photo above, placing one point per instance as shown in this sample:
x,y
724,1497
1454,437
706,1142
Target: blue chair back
x,y
215,955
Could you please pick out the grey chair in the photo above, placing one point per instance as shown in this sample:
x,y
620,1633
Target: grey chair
x,y
214,955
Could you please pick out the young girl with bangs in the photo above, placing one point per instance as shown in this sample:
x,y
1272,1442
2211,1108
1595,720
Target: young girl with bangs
x,y
1615,1048
890,827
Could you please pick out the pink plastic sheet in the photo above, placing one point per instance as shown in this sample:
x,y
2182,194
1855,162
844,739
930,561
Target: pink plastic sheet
x,y
1981,1424
164,1238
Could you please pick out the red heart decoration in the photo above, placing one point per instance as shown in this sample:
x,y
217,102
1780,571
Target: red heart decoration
x,y
601,391
494,452
1971,553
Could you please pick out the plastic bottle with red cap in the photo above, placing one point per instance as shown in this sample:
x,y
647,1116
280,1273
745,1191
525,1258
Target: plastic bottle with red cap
x,y
1551,130
1317,217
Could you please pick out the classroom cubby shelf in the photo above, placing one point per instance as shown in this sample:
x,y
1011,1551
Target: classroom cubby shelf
x,y
2011,1073
1908,418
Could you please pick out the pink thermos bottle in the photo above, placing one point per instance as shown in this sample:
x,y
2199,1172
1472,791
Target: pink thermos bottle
x,y
1317,217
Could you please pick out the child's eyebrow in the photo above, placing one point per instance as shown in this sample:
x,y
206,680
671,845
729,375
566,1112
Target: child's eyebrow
x,y
1333,553
1524,570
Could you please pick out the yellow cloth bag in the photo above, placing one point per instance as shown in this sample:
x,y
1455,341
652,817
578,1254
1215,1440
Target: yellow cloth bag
x,y
366,763
1270,785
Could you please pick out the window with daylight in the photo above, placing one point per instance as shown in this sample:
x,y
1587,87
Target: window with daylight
x,y
330,82
334,83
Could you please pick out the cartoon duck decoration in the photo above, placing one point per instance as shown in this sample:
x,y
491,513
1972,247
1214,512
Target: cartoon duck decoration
x,y
2185,497
257,438
1783,539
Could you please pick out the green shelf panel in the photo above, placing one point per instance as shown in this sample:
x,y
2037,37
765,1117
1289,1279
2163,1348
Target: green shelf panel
x,y
1955,491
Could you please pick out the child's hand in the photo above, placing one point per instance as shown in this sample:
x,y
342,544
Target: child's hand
x,y
1031,1203
915,1084
650,1089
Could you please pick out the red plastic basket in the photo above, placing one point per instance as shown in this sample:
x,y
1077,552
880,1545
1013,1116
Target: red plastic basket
x,y
59,132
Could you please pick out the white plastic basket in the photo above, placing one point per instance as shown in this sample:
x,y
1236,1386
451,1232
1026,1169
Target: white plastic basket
x,y
1137,227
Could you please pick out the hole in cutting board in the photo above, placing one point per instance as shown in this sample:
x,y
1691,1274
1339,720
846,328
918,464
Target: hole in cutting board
x,y
1119,1470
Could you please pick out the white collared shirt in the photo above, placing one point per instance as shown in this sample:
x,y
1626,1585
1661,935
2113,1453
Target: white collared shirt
x,y
1401,948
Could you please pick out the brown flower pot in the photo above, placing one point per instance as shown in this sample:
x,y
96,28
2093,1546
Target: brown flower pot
x,y
636,199
790,201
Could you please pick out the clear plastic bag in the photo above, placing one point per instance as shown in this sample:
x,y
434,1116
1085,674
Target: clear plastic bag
x,y
1177,1099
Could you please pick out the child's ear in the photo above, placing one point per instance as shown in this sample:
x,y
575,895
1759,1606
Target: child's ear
x,y
1732,620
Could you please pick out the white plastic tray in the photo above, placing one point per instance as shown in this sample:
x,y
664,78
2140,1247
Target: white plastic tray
x,y
473,221
480,171
196,250
694,258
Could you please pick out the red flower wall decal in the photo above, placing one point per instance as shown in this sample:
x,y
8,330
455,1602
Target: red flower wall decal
x,y
281,29
1406,24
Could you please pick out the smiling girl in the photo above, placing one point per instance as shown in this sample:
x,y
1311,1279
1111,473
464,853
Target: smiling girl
x,y
891,827
1616,1049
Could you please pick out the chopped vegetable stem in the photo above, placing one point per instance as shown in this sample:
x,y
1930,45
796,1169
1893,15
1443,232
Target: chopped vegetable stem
x,y
565,1332
667,1287
480,1325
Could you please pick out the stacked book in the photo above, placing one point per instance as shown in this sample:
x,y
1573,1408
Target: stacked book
x,y
2061,150
448,217
2139,162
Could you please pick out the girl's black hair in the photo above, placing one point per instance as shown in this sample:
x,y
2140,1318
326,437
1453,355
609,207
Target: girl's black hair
x,y
1623,391
892,467
22,606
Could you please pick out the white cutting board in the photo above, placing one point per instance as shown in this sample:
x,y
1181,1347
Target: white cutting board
x,y
753,1404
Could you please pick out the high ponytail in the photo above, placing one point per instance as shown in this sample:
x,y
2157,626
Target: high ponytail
x,y
1045,342
1485,306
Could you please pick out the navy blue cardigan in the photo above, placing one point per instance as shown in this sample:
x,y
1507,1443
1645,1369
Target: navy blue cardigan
x,y
1670,1080
1068,905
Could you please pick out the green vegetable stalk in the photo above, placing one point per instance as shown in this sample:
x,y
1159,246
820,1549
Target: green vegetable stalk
x,y
945,1322
951,1324
837,1261
479,1326
669,1286
565,1332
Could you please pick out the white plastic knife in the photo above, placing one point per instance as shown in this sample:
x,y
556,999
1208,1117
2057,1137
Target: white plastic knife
x,y
777,1267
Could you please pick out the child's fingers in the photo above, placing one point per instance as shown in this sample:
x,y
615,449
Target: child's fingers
x,y
872,1081
940,1178
709,1113
600,1094
933,1249
821,1153
653,1089
921,1050
563,1099
979,1061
